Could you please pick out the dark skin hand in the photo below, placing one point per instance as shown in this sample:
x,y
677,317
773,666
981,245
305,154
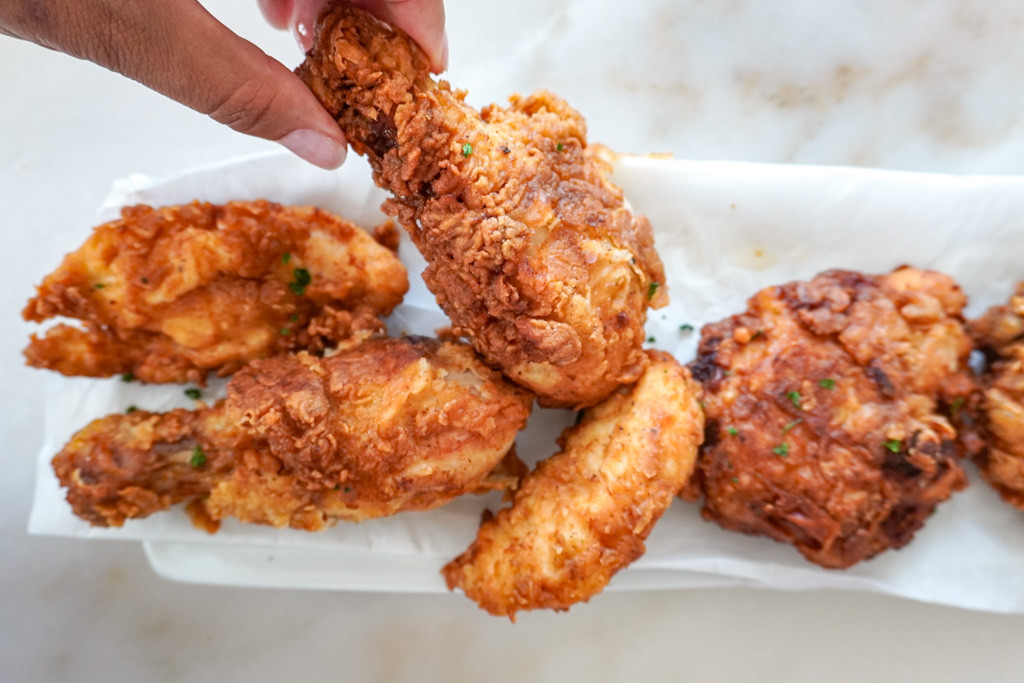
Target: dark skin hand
x,y
180,50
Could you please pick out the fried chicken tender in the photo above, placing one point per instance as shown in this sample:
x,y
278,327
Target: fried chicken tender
x,y
583,514
828,406
1000,334
383,427
170,294
530,249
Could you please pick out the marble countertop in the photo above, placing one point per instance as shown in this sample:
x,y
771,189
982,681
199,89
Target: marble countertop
x,y
900,85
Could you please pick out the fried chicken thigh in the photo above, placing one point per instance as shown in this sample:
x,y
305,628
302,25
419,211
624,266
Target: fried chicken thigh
x,y
170,294
386,426
828,407
1000,334
583,514
531,251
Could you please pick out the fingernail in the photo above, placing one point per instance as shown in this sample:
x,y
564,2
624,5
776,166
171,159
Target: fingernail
x,y
314,147
444,52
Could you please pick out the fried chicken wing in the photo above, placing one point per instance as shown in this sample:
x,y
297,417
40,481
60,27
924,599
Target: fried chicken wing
x,y
383,427
530,249
170,294
828,407
583,514
1000,334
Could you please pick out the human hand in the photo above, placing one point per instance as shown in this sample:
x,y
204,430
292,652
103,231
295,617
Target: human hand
x,y
180,50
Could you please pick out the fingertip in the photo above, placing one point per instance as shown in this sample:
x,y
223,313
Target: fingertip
x,y
316,148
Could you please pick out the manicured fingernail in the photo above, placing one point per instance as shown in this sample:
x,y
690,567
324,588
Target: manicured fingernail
x,y
444,52
314,147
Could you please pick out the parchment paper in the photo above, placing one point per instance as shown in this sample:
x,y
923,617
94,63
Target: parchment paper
x,y
724,230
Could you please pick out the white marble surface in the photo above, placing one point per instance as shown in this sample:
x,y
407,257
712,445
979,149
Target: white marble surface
x,y
902,84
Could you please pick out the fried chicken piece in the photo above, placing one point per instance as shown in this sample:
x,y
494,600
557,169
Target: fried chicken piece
x,y
583,514
530,249
1000,334
828,407
170,294
386,426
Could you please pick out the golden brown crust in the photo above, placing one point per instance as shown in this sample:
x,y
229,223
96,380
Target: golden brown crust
x,y
828,407
1000,334
387,426
169,294
584,513
530,249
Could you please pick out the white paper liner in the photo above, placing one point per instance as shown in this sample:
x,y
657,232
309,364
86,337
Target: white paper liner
x,y
724,230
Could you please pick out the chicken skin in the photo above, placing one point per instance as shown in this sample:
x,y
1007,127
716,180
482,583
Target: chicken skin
x,y
1000,334
385,426
530,250
583,514
828,405
170,294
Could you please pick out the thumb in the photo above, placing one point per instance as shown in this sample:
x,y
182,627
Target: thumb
x,y
180,50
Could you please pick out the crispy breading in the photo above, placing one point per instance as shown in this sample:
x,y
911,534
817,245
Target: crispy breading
x,y
583,514
383,427
828,407
170,294
530,249
999,332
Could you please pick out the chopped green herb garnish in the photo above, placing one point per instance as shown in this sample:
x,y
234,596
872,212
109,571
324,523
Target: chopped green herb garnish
x,y
467,149
302,280
894,445
286,257
686,327
652,288
294,317
827,383
285,331
757,333
958,403
193,394
559,146
794,396
130,409
651,340
735,480
792,424
128,377
348,489
198,458
732,431
782,449
99,285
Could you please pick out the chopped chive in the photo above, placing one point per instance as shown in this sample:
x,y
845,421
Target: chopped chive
x,y
559,146
894,445
792,424
958,403
782,449
652,288
285,331
757,333
794,397
686,327
286,257
99,285
651,340
294,318
198,458
193,394
827,383
735,480
302,280
467,149
732,431
128,377
130,409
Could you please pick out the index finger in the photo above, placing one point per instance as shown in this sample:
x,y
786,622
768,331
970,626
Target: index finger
x,y
423,20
